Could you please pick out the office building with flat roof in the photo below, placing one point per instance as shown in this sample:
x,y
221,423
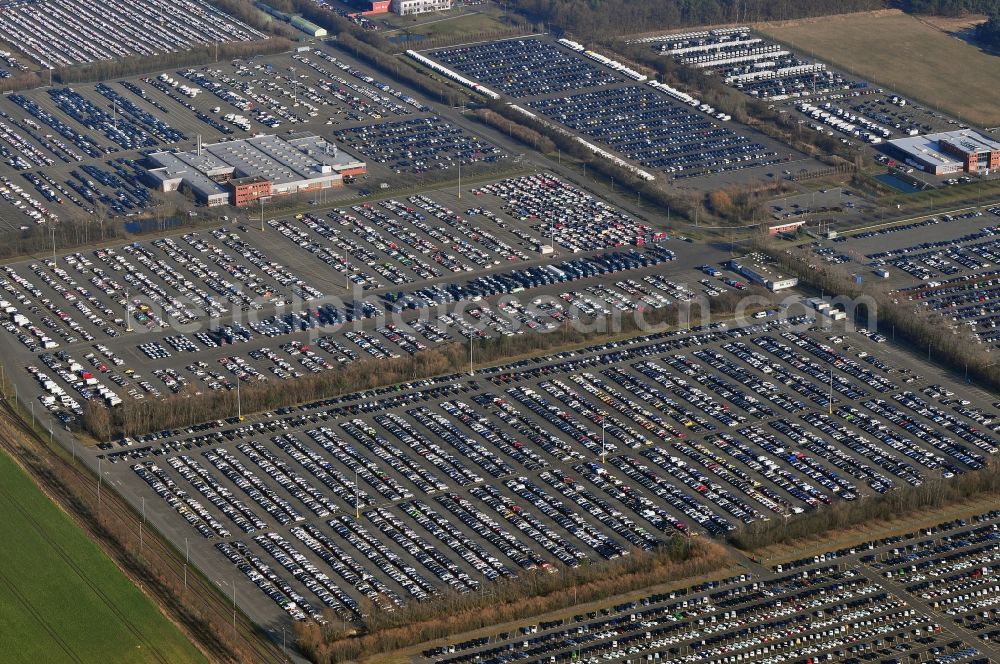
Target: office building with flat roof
x,y
948,152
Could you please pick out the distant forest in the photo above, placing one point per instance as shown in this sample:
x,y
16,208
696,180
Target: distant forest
x,y
989,32
949,7
594,18
601,18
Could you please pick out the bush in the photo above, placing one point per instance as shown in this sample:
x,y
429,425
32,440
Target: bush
x,y
906,500
187,408
532,594
526,135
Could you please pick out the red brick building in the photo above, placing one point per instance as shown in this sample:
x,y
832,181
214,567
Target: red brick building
x,y
247,190
977,152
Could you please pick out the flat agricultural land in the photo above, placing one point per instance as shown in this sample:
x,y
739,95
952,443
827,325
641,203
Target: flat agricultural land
x,y
64,600
906,54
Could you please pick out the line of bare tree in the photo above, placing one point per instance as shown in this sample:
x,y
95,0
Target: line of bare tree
x,y
402,70
104,70
189,407
655,192
598,18
532,594
526,135
926,331
901,502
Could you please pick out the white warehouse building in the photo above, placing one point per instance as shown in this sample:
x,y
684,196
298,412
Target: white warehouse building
x,y
409,7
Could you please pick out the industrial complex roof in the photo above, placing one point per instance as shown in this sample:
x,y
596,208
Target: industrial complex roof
x,y
970,141
299,157
927,147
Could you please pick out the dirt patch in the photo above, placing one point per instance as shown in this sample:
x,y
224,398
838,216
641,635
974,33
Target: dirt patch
x,y
953,24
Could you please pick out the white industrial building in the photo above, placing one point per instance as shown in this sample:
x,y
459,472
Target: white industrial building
x,y
763,276
408,7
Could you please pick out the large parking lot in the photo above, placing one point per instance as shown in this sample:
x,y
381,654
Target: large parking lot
x,y
927,596
418,145
147,319
751,63
548,462
830,101
645,126
945,263
54,33
679,138
528,67
77,152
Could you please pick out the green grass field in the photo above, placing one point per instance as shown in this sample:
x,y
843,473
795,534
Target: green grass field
x,y
454,24
906,54
64,600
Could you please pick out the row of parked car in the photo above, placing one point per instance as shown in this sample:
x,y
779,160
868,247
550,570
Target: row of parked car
x,y
748,62
956,276
650,128
419,145
524,67
375,103
580,455
57,33
816,609
565,215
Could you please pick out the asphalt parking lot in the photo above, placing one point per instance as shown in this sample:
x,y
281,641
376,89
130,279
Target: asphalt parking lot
x,y
75,152
945,263
926,596
396,495
835,203
547,463
641,123
647,127
764,69
750,63
139,321
82,31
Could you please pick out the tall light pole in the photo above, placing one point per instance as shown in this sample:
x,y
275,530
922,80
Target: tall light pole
x,y
262,200
831,391
604,452
357,500
128,312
